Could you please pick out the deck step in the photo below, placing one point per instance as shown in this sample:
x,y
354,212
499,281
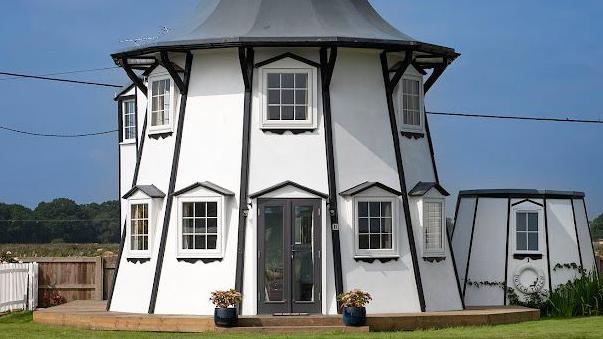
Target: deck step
x,y
294,329
290,321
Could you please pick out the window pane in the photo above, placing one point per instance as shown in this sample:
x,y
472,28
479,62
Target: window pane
x,y
533,241
187,242
200,209
375,209
274,97
363,209
287,80
274,80
288,97
386,225
212,225
363,225
300,97
200,242
188,226
274,113
187,209
212,209
521,221
212,242
301,80
287,113
386,241
386,209
200,224
363,242
375,224
521,241
375,241
301,113
532,221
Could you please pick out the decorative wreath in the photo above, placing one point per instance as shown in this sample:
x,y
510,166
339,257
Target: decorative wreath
x,y
536,286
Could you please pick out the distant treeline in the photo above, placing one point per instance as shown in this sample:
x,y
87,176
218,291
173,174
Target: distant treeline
x,y
60,221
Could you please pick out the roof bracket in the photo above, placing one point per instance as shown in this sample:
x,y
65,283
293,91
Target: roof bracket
x,y
135,79
169,66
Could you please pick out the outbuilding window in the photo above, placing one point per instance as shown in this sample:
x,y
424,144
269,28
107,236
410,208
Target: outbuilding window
x,y
139,228
411,103
375,227
527,231
288,96
200,227
433,228
129,120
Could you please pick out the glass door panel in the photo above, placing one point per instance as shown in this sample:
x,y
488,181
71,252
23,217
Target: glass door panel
x,y
303,261
274,265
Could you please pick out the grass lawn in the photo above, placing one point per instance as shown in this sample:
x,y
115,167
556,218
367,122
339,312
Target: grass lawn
x,y
58,250
20,325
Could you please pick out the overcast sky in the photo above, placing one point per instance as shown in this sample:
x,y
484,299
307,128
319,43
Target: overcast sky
x,y
533,58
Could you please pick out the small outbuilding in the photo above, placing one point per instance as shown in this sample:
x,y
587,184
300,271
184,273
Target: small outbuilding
x,y
519,241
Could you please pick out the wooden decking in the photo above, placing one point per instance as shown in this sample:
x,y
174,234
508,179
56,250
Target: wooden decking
x,y
92,315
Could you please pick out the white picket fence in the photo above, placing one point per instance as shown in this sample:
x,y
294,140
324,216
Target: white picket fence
x,y
18,287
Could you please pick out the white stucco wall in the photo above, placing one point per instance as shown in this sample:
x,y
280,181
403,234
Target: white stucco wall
x,y
462,235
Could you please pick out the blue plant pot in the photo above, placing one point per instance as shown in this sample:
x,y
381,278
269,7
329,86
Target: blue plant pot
x,y
354,316
226,317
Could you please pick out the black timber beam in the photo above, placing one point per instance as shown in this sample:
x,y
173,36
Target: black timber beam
x,y
390,85
169,66
172,184
133,77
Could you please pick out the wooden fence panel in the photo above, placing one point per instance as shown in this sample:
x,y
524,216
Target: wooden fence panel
x,y
109,264
18,287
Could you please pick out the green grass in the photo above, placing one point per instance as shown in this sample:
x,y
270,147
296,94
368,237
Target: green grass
x,y
58,250
19,325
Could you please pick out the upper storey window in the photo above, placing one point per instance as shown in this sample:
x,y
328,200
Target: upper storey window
x,y
162,104
129,120
411,103
288,96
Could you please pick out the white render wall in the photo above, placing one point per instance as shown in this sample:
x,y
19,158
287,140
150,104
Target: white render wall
x,y
487,262
211,151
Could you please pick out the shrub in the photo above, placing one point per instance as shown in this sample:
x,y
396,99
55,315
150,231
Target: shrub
x,y
225,299
7,258
354,298
580,297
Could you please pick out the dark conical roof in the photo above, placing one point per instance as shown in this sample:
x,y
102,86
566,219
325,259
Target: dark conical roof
x,y
224,23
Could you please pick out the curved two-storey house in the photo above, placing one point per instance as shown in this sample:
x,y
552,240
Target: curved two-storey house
x,y
280,147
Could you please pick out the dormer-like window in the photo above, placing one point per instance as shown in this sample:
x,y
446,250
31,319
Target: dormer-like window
x,y
162,104
288,96
143,202
411,103
129,120
434,228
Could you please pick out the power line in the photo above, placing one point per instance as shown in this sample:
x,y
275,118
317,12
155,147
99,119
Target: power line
x,y
515,117
68,72
81,135
60,80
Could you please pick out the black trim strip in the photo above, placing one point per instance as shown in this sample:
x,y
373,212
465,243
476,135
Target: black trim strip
x,y
506,279
470,248
577,235
172,185
285,184
123,91
368,185
133,77
521,256
456,215
246,56
288,55
528,200
548,252
120,253
140,149
456,273
592,245
390,85
521,194
435,75
328,59
169,66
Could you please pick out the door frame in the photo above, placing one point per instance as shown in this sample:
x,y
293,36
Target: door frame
x,y
288,306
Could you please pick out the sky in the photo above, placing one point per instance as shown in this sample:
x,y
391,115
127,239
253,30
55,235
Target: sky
x,y
532,58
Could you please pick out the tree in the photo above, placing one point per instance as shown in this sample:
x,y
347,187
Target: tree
x,y
596,227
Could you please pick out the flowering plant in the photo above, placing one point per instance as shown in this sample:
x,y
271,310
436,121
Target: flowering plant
x,y
225,299
354,298
7,258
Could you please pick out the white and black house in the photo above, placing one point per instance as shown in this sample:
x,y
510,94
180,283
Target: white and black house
x,y
281,147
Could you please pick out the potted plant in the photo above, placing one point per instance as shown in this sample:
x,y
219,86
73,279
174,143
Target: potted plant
x,y
226,314
353,303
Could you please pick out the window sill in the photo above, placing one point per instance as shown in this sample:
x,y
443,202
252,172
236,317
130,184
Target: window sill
x,y
533,256
139,260
382,259
194,260
436,259
282,130
128,142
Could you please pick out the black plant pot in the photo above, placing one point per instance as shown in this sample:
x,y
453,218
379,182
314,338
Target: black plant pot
x,y
226,317
354,316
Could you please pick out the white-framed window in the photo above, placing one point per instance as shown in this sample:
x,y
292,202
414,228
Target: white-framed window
x,y
527,231
434,228
162,103
129,120
411,103
139,228
375,226
200,227
288,96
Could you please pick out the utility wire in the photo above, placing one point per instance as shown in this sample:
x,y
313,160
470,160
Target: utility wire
x,y
60,80
515,117
81,135
69,72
